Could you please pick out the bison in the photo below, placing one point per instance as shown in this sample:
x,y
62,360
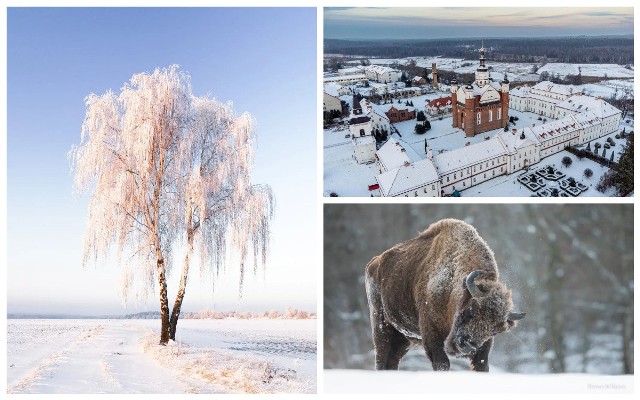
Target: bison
x,y
439,290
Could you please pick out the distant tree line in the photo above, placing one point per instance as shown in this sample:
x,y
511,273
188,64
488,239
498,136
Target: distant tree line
x,y
574,49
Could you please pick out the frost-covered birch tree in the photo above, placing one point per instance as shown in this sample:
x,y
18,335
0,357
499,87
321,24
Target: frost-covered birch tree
x,y
167,168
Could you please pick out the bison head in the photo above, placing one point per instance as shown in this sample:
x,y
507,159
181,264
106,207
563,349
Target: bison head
x,y
484,311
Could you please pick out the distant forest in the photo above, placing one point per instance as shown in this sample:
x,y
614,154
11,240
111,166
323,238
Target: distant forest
x,y
578,49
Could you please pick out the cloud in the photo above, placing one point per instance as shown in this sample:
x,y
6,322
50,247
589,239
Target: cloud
x,y
394,21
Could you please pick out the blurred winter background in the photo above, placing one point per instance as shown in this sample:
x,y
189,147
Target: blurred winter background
x,y
570,267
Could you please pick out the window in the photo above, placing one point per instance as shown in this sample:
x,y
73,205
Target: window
x,y
485,175
499,112
433,187
490,115
447,179
478,118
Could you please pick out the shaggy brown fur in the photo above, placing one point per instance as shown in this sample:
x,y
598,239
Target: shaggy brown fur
x,y
418,294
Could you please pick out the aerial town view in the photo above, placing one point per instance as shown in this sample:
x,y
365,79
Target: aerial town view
x,y
476,109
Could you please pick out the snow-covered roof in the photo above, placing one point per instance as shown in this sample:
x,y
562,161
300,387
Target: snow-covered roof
x,y
345,77
581,103
553,129
392,155
407,177
479,91
377,110
417,78
332,89
387,107
350,70
379,69
467,156
363,139
586,119
522,91
543,98
513,141
547,86
440,102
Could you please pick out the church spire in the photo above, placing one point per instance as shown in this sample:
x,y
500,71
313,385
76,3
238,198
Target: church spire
x,y
482,73
482,66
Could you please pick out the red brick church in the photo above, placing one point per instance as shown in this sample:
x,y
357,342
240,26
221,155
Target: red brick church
x,y
482,105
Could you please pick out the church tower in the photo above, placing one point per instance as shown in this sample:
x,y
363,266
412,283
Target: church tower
x,y
364,144
434,76
482,73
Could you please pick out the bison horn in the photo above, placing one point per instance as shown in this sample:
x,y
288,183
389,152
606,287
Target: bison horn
x,y
473,289
515,316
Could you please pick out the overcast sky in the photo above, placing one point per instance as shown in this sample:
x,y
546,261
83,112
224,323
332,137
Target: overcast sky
x,y
459,22
56,57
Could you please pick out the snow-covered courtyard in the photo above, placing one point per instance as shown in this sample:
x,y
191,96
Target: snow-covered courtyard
x,y
123,356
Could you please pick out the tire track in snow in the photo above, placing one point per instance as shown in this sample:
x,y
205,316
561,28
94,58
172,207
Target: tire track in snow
x,y
51,362
35,374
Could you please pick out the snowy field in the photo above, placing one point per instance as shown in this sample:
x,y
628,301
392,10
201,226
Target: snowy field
x,y
600,70
383,382
516,72
122,356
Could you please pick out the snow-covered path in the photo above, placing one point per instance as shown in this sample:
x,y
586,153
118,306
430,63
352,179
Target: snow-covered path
x,y
122,356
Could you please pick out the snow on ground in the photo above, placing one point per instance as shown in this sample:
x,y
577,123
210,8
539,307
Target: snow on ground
x,y
608,89
122,356
516,72
342,174
601,70
507,185
384,382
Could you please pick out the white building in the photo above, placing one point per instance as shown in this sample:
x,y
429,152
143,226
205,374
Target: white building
x,y
541,99
554,136
364,144
608,114
379,119
346,79
391,156
418,179
522,150
591,126
468,166
382,74
331,98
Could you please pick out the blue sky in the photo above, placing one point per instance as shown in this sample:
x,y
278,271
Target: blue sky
x,y
460,22
264,60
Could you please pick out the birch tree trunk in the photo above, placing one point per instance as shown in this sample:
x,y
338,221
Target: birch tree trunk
x,y
164,303
175,313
